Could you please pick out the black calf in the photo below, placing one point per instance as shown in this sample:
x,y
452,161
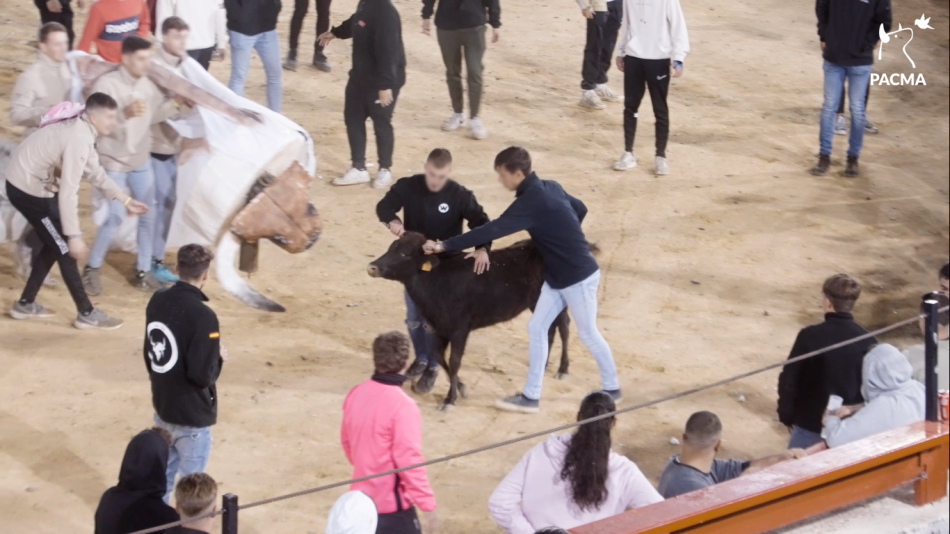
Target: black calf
x,y
456,301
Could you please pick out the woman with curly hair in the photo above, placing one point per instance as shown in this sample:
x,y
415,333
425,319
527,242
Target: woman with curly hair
x,y
571,480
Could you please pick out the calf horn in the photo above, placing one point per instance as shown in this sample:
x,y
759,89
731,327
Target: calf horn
x,y
231,281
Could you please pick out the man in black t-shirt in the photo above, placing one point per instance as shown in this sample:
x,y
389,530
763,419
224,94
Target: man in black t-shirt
x,y
435,206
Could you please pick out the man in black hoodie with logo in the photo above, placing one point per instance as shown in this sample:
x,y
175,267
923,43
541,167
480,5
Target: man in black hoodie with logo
x,y
849,31
435,206
183,355
378,73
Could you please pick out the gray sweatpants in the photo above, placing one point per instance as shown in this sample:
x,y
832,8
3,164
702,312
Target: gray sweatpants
x,y
455,44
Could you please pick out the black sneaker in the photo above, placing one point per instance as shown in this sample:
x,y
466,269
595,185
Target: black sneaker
x,y
146,282
518,403
427,381
851,170
417,368
321,63
291,62
820,168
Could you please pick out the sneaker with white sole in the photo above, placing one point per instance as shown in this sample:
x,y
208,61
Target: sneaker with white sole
x,y
162,273
353,176
29,310
518,403
662,166
96,320
841,127
590,100
456,121
383,179
146,281
870,128
615,394
606,94
626,162
477,129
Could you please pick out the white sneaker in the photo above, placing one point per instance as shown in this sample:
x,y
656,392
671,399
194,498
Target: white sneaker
x,y
662,167
590,100
477,129
383,179
626,162
353,176
454,122
606,94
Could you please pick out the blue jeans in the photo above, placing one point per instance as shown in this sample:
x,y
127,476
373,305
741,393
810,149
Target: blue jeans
x,y
858,80
189,453
802,439
268,49
421,333
166,174
581,300
141,183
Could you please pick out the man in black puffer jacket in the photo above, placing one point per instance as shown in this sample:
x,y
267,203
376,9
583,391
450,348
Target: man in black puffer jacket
x,y
252,25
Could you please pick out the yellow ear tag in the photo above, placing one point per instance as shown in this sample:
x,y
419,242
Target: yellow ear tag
x,y
427,266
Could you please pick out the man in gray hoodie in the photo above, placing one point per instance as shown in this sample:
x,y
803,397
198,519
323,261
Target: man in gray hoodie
x,y
892,399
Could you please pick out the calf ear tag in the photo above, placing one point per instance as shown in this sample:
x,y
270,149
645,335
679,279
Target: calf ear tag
x,y
427,266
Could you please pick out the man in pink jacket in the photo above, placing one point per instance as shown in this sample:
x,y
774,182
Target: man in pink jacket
x,y
381,431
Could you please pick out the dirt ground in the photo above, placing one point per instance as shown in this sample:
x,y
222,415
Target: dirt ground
x,y
708,272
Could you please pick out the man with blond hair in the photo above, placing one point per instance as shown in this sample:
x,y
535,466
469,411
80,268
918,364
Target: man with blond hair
x,y
195,496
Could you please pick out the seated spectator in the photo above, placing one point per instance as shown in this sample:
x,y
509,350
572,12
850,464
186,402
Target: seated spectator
x,y
893,399
915,355
696,467
135,503
196,495
353,513
571,480
382,431
804,387
945,279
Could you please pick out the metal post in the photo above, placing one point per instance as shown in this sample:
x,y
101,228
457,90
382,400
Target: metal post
x,y
930,360
229,520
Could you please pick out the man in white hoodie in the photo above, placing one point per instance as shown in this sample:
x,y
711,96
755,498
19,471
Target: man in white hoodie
x,y
206,22
892,399
652,46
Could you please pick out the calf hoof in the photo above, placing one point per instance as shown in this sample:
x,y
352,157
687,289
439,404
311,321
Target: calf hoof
x,y
446,407
426,382
561,376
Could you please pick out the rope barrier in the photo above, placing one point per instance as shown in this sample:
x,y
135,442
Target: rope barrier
x,y
561,428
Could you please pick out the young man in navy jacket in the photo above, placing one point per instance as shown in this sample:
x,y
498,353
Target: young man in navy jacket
x,y
571,275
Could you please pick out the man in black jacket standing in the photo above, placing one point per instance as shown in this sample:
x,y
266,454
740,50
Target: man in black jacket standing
x,y
849,31
435,206
379,71
804,387
184,355
252,26
461,33
571,275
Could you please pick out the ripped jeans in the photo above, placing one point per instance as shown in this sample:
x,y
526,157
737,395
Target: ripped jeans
x,y
189,451
421,333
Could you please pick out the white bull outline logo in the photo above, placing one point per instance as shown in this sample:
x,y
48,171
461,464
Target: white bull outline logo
x,y
159,347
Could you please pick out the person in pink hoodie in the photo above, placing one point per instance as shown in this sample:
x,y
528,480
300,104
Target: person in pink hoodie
x,y
571,480
382,431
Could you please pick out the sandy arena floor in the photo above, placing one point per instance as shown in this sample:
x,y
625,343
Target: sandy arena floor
x,y
707,273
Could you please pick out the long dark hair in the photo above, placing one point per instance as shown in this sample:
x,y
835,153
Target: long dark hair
x,y
588,456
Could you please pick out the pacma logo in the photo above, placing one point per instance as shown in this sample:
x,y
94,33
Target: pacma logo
x,y
900,79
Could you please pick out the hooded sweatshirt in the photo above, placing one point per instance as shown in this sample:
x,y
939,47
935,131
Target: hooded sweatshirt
x,y
353,513
850,29
379,60
653,29
533,496
892,398
136,502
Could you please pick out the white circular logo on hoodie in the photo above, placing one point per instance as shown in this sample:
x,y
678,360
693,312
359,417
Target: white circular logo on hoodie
x,y
443,208
163,351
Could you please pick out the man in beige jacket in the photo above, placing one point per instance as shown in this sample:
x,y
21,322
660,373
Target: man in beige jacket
x,y
125,156
45,83
43,180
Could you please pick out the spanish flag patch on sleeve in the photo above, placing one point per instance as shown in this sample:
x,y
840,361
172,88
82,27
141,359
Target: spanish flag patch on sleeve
x,y
214,335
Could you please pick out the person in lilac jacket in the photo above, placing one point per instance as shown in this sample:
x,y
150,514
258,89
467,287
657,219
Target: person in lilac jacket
x,y
571,480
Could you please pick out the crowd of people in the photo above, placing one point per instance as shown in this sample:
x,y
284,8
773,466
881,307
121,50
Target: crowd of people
x,y
120,142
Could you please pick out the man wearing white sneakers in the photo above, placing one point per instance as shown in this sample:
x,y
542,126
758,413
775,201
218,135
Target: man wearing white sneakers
x,y
652,46
603,23
461,33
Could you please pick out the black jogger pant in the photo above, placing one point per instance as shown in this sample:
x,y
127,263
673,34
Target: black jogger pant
x,y
599,51
43,215
405,522
361,102
653,75
64,17
844,94
203,56
296,24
